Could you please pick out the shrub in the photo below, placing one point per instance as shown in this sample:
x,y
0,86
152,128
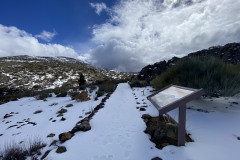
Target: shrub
x,y
106,87
72,94
135,82
81,80
83,96
62,94
211,74
43,96
61,91
15,151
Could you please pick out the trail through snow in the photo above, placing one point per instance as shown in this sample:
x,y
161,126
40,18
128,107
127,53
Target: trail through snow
x,y
117,133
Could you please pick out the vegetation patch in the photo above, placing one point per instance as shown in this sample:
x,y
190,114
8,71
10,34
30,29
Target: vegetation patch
x,y
83,96
213,75
15,151
135,82
106,87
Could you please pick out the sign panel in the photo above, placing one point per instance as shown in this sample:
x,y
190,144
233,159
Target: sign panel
x,y
170,95
173,97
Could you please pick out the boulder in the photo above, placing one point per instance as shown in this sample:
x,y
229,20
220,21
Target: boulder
x,y
65,136
61,149
84,126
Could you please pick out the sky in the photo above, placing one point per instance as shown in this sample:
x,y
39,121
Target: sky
x,y
123,35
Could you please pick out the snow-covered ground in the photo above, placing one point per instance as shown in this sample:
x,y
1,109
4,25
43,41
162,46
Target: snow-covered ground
x,y
117,129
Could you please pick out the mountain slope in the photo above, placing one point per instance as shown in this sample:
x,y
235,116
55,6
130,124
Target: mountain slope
x,y
229,53
49,72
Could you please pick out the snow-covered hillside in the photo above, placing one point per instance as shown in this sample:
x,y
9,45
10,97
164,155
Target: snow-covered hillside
x,y
118,130
30,72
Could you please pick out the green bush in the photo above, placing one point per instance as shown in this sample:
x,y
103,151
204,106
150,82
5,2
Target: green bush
x,y
106,87
211,74
135,82
62,94
72,94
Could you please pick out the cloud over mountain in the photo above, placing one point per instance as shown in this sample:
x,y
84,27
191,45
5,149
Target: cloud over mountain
x,y
14,41
140,32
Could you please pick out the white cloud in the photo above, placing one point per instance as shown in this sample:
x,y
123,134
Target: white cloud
x,y
46,36
141,32
14,41
99,7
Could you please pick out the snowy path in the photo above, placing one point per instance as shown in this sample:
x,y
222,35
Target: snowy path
x,y
117,133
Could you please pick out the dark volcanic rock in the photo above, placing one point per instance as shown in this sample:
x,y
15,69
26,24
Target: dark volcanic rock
x,y
157,158
65,136
61,149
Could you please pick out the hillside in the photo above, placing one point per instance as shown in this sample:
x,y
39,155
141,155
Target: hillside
x,y
29,72
229,53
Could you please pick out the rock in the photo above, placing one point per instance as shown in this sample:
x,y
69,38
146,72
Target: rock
x,y
53,104
69,105
62,111
51,135
142,109
238,138
171,130
7,116
62,119
234,102
146,120
165,144
61,149
156,158
84,126
1,134
65,136
146,116
159,133
60,115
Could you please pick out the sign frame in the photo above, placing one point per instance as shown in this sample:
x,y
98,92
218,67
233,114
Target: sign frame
x,y
181,105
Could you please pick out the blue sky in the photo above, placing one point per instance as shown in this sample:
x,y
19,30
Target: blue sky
x,y
124,35
71,19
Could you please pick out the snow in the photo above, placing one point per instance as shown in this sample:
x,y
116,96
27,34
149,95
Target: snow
x,y
118,130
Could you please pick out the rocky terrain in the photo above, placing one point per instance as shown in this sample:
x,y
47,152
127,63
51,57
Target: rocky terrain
x,y
229,53
50,72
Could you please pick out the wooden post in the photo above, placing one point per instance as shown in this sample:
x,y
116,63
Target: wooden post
x,y
181,125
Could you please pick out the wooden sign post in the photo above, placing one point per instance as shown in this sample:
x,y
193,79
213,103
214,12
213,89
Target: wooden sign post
x,y
172,97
